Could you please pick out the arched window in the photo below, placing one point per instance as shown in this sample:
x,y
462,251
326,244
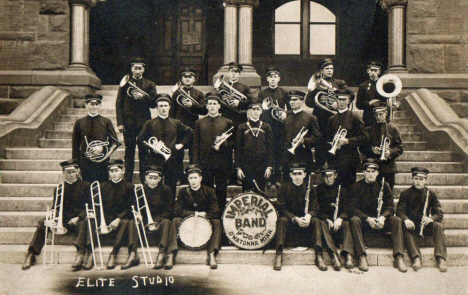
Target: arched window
x,y
306,34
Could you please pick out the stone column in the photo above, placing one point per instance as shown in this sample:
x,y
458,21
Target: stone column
x,y
396,34
230,32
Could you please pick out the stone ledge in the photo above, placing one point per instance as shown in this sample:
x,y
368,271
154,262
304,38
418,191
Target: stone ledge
x,y
438,39
55,78
431,81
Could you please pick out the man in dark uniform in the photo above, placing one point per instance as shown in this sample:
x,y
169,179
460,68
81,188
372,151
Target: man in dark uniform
x,y
196,200
367,95
297,122
298,218
254,152
414,212
133,106
90,134
365,195
161,205
325,74
376,133
334,213
173,133
215,157
346,158
273,116
75,195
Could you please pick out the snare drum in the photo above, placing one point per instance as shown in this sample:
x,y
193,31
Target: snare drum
x,y
195,232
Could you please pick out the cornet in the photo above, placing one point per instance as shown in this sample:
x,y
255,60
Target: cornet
x,y
158,147
222,138
341,133
106,150
384,145
184,97
228,94
276,111
297,139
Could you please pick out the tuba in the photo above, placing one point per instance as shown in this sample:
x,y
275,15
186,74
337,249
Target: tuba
x,y
228,94
295,141
341,133
325,97
106,150
384,145
158,147
390,86
133,88
276,111
184,96
222,138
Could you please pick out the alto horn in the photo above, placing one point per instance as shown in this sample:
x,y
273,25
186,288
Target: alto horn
x,y
184,96
158,147
276,110
133,87
341,133
228,94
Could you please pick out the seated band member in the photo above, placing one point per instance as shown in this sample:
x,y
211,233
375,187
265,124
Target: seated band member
x,y
254,150
75,193
196,199
297,123
419,206
298,218
161,205
215,158
368,215
335,222
378,135
346,158
89,135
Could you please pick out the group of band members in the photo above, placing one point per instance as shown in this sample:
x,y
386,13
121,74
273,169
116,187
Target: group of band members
x,y
264,139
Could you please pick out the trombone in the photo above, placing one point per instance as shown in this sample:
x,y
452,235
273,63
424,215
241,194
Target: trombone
x,y
297,139
184,97
158,147
341,133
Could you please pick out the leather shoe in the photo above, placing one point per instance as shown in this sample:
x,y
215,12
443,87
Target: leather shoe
x,y
159,261
89,262
212,261
78,262
363,266
319,262
336,262
400,264
111,262
417,264
169,261
132,260
278,261
29,261
442,264
349,261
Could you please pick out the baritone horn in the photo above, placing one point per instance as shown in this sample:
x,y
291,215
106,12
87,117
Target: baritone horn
x,y
222,138
228,94
390,86
276,110
133,88
326,97
297,139
341,133
384,145
158,147
184,97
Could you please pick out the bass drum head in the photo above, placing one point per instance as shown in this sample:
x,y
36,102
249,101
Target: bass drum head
x,y
195,232
249,221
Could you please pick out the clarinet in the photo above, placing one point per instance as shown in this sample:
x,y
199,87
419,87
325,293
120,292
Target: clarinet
x,y
380,198
426,203
337,202
306,209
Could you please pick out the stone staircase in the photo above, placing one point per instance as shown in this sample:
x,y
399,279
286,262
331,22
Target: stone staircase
x,y
29,175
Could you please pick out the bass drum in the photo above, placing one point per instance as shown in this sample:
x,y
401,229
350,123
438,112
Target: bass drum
x,y
195,232
249,221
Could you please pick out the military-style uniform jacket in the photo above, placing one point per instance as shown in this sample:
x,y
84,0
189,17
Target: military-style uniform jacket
x,y
347,154
254,142
411,205
75,196
364,198
278,95
206,130
326,197
291,200
292,125
188,117
238,118
202,200
367,92
374,135
117,199
160,202
135,112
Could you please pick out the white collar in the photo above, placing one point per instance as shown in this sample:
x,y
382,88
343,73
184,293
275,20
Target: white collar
x,y
163,117
233,82
298,184
297,111
251,119
273,87
116,181
373,79
369,182
153,187
70,182
342,111
136,78
213,116
95,115
196,189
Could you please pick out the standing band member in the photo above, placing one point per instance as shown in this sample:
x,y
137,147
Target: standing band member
x,y
420,207
372,209
383,144
212,146
200,200
334,213
254,153
301,133
75,193
89,139
173,134
135,98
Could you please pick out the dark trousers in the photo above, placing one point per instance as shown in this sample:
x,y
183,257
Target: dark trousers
x,y
347,174
92,171
392,223
213,245
310,236
39,237
218,177
389,177
253,172
343,236
436,230
161,236
126,231
130,134
321,150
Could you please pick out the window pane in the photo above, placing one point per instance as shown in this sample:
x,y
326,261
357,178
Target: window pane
x,y
319,13
289,12
322,39
287,39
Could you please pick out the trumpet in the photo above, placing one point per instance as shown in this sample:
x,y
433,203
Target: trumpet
x,y
106,151
158,147
276,111
133,89
341,133
222,138
326,97
380,198
336,204
390,86
54,223
297,139
426,204
384,145
184,97
228,94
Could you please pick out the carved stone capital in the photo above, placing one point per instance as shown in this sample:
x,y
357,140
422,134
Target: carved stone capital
x,y
388,4
253,3
87,3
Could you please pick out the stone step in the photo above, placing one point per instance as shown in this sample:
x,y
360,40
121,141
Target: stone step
x,y
400,114
83,112
407,128
414,146
402,120
68,126
443,192
73,118
408,136
65,134
430,156
433,167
